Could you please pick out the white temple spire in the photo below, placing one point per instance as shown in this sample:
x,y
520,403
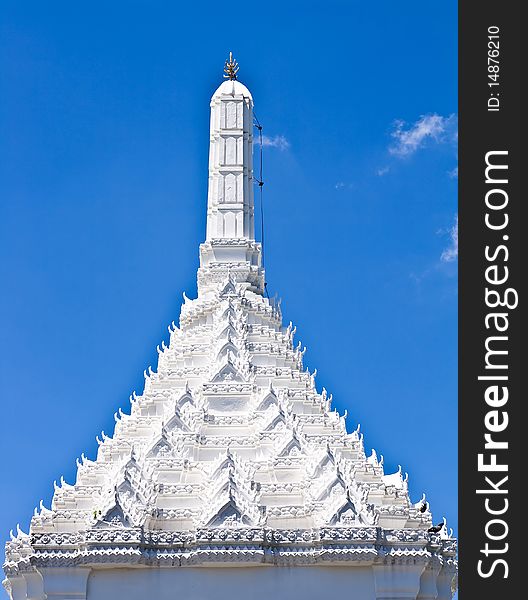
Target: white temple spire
x,y
230,247
230,197
230,457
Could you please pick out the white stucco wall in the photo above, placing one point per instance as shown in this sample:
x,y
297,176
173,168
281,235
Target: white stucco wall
x,y
250,583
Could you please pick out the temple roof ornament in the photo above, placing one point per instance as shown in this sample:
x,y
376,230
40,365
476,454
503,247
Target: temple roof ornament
x,y
230,445
231,68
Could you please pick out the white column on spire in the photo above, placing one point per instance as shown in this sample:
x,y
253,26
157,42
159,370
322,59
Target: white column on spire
x,y
230,205
230,250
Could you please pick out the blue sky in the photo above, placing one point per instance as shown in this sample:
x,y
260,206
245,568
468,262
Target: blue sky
x,y
104,114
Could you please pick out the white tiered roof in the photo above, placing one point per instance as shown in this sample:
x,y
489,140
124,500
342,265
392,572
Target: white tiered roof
x,y
230,454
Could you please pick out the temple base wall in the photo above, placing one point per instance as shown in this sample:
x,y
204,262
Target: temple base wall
x,y
369,582
256,583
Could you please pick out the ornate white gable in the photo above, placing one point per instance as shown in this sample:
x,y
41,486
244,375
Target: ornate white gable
x,y
230,433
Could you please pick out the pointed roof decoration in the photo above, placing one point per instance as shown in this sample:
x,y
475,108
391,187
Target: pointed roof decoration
x,y
114,516
230,430
231,68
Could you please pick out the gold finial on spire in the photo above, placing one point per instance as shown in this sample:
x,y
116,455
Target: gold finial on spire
x,y
231,68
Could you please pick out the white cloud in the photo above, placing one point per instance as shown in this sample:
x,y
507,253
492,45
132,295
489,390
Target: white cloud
x,y
433,127
277,141
453,173
341,185
450,254
382,171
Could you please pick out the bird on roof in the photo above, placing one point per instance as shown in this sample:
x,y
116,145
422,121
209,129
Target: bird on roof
x,y
436,528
